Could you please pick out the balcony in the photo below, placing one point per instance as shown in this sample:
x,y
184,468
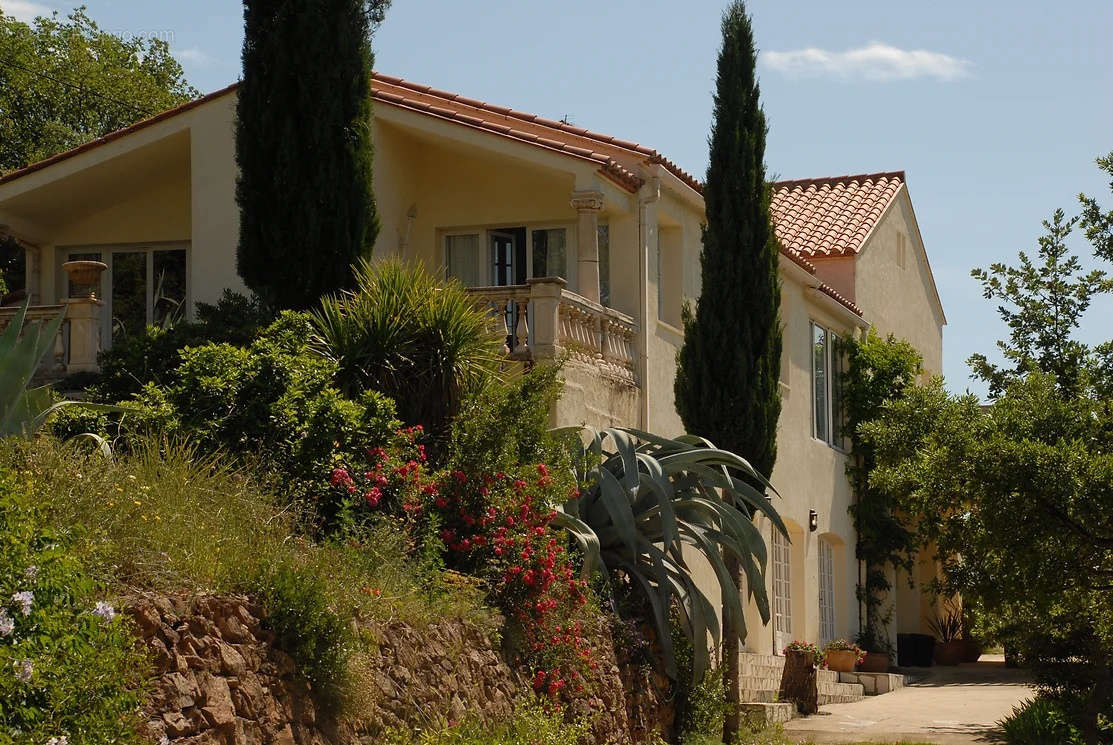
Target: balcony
x,y
542,320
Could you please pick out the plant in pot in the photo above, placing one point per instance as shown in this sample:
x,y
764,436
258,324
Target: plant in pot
x,y
841,656
950,648
878,650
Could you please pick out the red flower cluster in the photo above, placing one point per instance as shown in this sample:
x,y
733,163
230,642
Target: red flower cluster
x,y
497,526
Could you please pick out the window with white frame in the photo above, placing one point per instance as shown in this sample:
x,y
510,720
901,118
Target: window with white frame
x,y
826,591
508,255
782,591
828,364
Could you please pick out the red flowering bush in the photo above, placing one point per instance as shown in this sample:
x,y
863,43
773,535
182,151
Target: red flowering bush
x,y
497,526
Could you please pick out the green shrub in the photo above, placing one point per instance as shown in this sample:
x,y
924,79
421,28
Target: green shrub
x,y
508,423
152,356
1048,719
68,663
273,402
419,340
296,609
534,723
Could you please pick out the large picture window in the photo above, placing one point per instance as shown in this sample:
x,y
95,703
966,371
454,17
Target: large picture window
x,y
828,364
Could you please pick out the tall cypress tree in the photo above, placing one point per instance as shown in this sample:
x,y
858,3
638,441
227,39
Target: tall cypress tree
x,y
303,147
729,367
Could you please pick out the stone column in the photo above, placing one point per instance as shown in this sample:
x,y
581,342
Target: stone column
x,y
544,294
83,315
588,204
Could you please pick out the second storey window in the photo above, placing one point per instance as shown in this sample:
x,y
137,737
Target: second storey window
x,y
827,369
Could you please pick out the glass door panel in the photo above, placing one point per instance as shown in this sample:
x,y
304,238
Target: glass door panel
x,y
168,300
129,293
550,254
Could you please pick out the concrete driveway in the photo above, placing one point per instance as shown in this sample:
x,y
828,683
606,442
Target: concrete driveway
x,y
945,705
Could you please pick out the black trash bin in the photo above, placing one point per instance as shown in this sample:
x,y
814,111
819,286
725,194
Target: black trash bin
x,y
915,650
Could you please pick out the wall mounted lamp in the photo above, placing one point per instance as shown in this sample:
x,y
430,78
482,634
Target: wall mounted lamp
x,y
813,520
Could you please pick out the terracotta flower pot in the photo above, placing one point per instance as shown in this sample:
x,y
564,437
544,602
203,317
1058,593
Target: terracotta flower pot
x,y
841,660
972,649
949,653
875,662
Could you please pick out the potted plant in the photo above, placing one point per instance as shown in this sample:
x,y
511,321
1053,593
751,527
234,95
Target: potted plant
x,y
950,648
841,656
807,650
878,650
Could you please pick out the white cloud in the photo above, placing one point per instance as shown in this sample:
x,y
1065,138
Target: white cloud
x,y
875,61
195,56
24,10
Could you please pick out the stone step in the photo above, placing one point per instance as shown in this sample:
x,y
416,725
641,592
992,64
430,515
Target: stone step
x,y
875,684
758,695
760,715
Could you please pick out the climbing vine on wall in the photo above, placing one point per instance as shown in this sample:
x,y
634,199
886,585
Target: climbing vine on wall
x,y
878,370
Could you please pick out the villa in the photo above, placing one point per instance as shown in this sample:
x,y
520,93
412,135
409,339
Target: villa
x,y
579,242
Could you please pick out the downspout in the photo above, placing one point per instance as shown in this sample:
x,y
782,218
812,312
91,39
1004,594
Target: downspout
x,y
649,193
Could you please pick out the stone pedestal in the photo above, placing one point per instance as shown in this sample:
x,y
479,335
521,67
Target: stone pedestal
x,y
83,315
544,293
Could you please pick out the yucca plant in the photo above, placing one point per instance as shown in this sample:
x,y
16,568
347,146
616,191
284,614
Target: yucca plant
x,y
649,504
23,410
418,339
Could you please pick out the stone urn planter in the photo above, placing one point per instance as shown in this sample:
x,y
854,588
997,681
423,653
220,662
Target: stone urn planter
x,y
84,277
875,662
841,660
950,652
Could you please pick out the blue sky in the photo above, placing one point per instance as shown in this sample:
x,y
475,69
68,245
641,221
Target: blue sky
x,y
996,109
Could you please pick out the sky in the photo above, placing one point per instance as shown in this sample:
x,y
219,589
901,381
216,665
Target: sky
x,y
995,109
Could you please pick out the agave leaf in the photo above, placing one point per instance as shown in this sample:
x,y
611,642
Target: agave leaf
x,y
660,610
584,536
612,497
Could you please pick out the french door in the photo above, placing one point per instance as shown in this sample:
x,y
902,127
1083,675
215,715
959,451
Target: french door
x,y
782,592
826,591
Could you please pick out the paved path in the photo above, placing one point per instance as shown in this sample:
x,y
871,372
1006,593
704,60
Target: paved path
x,y
945,705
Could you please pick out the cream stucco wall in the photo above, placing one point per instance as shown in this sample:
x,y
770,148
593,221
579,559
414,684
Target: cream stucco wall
x,y
897,294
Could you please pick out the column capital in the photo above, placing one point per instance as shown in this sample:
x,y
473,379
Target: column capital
x,y
586,201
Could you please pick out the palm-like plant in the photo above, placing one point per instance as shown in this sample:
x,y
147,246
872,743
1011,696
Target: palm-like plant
x,y
403,332
649,505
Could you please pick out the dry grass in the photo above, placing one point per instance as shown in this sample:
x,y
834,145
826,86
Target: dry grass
x,y
168,518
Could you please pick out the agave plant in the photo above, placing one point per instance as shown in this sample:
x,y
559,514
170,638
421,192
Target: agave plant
x,y
649,505
23,410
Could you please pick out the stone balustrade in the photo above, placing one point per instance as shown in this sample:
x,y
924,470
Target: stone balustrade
x,y
79,337
542,319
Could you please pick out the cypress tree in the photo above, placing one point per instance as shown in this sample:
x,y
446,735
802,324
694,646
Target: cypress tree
x,y
729,366
304,149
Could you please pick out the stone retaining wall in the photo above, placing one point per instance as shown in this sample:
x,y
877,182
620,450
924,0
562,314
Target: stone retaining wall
x,y
218,680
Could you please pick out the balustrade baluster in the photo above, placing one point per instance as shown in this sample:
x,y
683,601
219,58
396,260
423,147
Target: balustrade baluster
x,y
521,339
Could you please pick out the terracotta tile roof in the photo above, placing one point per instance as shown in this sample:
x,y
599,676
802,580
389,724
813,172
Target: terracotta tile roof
x,y
831,216
39,165
618,158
